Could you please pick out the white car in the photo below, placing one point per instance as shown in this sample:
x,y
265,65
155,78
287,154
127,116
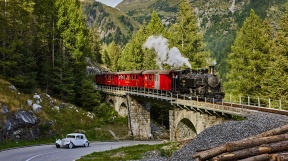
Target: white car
x,y
73,140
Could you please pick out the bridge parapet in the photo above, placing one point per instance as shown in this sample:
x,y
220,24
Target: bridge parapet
x,y
210,108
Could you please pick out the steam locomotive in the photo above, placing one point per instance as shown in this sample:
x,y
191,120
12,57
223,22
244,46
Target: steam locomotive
x,y
201,83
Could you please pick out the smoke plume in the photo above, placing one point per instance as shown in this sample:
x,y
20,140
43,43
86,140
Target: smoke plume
x,y
165,55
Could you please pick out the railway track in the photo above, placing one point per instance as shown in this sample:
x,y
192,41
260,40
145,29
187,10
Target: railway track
x,y
256,108
168,98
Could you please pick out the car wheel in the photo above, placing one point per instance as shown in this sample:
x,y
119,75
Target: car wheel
x,y
57,146
70,146
86,144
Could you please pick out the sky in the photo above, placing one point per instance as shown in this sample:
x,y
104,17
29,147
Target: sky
x,y
111,3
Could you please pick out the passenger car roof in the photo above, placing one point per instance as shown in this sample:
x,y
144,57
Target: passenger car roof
x,y
157,71
131,72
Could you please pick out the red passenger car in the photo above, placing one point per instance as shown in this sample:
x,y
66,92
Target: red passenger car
x,y
158,79
99,79
130,78
109,79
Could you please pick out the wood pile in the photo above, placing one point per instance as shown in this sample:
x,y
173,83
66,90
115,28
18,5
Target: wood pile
x,y
268,146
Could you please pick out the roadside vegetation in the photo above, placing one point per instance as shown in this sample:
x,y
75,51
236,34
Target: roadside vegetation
x,y
133,152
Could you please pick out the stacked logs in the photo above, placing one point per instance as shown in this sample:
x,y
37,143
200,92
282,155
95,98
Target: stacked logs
x,y
268,146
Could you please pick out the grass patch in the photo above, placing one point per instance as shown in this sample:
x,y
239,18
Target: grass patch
x,y
131,152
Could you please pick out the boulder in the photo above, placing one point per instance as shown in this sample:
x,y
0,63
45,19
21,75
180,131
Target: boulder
x,y
36,107
21,125
30,102
36,96
5,109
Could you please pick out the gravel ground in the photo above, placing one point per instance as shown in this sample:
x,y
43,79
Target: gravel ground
x,y
255,123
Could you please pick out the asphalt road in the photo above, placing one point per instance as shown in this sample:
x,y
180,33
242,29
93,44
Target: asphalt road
x,y
51,153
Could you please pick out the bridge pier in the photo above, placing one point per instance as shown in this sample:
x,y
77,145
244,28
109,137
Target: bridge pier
x,y
138,113
139,120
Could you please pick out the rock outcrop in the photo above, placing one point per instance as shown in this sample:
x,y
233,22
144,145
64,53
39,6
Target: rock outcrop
x,y
19,125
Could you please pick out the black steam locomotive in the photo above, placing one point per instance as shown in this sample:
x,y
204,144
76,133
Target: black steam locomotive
x,y
200,83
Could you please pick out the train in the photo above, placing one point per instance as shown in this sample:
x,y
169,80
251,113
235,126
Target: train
x,y
200,83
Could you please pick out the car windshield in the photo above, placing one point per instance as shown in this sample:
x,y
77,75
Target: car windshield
x,y
70,136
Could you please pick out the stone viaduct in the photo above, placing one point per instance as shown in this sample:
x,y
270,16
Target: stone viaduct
x,y
187,118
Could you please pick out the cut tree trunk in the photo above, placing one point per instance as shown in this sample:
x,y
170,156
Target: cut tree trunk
x,y
280,157
262,157
210,153
241,154
280,130
221,149
252,142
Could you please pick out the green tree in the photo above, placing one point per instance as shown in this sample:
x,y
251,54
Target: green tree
x,y
248,59
133,53
186,36
275,84
46,41
104,55
73,48
114,53
17,62
95,44
89,97
154,28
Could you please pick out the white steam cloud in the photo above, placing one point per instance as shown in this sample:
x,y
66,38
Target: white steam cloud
x,y
211,61
165,55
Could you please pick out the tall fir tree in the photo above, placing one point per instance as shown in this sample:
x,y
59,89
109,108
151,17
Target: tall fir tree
x,y
133,54
186,36
248,59
46,41
17,61
74,46
154,28
95,44
114,53
90,98
275,85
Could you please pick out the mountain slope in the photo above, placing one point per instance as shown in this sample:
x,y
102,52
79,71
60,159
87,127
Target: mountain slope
x,y
219,20
113,24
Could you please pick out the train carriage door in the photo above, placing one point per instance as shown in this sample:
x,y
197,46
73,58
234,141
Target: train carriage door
x,y
175,81
156,81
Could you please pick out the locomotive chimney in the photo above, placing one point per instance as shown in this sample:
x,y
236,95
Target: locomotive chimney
x,y
212,71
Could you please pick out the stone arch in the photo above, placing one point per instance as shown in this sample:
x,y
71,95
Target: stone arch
x,y
111,103
123,110
185,130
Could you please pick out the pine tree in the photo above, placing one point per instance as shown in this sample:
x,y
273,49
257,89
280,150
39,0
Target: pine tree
x,y
154,28
74,47
89,97
104,55
17,59
186,36
248,58
275,84
95,44
114,53
132,55
45,41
